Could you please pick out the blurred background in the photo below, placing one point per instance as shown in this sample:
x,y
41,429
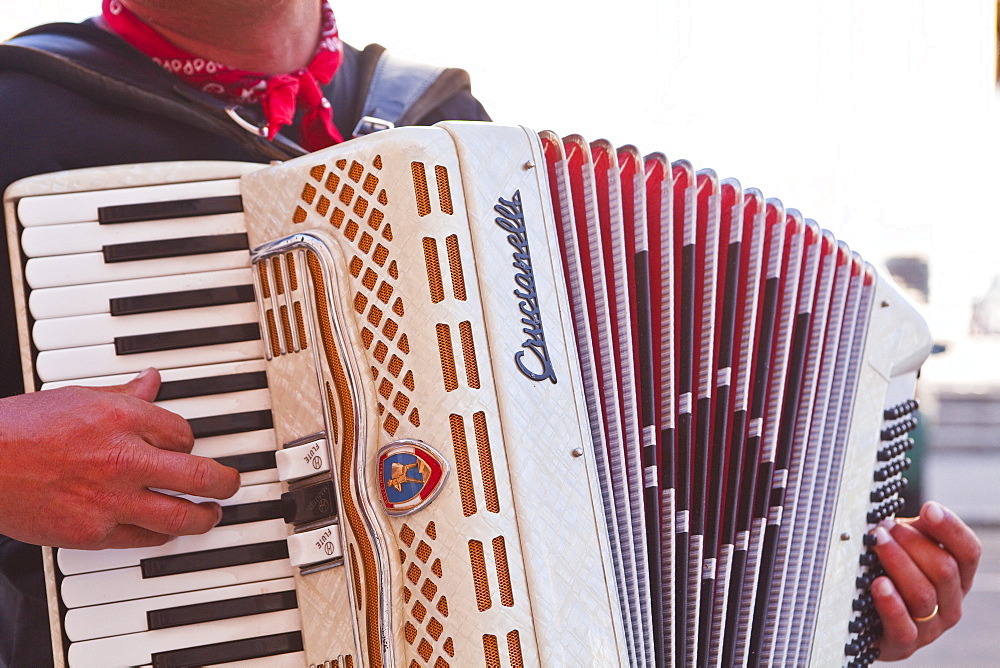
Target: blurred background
x,y
878,118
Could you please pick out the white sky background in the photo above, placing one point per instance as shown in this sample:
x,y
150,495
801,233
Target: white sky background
x,y
878,118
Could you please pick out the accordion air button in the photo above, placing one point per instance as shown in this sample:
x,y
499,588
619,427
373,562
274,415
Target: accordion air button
x,y
313,547
303,460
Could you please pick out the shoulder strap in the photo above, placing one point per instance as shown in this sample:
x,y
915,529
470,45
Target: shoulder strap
x,y
397,91
95,63
87,60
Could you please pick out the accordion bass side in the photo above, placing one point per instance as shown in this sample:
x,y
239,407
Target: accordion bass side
x,y
530,401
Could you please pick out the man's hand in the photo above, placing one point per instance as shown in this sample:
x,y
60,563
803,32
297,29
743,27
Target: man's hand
x,y
77,466
930,562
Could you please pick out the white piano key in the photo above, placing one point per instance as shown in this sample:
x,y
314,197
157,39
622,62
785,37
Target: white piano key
x,y
95,297
235,444
312,547
303,460
112,619
261,477
48,272
82,206
71,363
138,648
218,404
249,494
123,584
74,562
92,330
49,240
166,375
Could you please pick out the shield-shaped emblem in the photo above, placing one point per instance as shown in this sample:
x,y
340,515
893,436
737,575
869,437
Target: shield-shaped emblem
x,y
411,474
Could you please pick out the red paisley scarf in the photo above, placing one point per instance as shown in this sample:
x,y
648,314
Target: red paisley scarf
x,y
279,95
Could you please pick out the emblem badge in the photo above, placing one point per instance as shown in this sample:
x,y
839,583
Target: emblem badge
x,y
411,474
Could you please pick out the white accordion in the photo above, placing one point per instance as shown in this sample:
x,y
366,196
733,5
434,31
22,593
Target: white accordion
x,y
497,399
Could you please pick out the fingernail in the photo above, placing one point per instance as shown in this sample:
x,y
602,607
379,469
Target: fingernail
x,y
933,512
218,509
145,372
882,535
888,524
882,587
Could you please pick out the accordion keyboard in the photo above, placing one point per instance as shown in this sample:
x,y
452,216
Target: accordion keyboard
x,y
111,291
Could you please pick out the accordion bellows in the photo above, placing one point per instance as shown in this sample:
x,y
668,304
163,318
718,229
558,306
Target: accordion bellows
x,y
531,401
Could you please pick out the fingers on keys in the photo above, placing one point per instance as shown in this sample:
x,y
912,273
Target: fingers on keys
x,y
144,386
924,573
930,562
900,634
126,536
943,526
116,423
188,474
169,515
156,426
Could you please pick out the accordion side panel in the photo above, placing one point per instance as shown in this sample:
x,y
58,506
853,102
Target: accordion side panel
x,y
453,568
897,342
531,350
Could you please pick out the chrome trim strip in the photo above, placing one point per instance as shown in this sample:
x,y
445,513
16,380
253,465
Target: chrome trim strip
x,y
319,245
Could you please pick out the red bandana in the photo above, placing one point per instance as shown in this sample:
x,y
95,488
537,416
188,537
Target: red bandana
x,y
279,95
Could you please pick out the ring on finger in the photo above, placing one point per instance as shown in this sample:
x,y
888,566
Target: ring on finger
x,y
921,620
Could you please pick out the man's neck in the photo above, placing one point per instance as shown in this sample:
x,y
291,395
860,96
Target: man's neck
x,y
269,36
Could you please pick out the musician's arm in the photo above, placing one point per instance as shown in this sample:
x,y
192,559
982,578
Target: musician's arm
x,y
77,465
930,561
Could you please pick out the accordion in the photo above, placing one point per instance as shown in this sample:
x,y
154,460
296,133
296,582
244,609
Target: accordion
x,y
497,398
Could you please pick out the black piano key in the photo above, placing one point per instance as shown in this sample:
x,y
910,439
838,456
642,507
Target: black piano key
x,y
178,208
253,461
203,387
223,557
186,338
244,513
173,301
310,503
161,248
232,423
234,650
200,613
